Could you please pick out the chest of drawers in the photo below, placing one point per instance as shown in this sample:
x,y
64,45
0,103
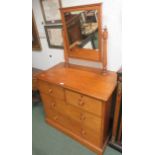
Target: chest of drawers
x,y
78,103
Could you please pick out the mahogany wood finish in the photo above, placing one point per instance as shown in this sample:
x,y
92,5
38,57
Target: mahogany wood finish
x,y
77,101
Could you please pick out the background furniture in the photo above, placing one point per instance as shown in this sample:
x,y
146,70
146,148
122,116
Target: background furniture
x,y
35,72
36,45
116,139
35,92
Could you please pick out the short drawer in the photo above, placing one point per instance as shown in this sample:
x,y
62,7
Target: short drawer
x,y
50,89
84,102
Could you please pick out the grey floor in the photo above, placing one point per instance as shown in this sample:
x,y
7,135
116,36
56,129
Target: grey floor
x,y
46,140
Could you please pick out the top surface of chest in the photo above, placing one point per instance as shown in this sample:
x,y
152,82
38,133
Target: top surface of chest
x,y
86,82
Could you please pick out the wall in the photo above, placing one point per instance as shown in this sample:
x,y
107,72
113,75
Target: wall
x,y
111,19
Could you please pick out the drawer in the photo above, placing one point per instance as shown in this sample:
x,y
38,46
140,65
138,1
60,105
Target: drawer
x,y
84,102
50,89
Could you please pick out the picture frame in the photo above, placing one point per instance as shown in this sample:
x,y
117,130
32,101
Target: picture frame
x,y
50,10
54,36
36,44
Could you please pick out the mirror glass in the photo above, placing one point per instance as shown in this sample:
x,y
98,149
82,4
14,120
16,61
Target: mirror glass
x,y
82,29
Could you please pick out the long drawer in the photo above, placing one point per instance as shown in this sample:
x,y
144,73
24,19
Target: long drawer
x,y
84,102
51,89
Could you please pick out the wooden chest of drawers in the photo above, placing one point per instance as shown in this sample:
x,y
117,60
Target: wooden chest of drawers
x,y
73,104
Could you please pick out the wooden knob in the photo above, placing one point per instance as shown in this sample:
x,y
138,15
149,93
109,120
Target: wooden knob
x,y
55,117
50,91
81,103
83,132
82,117
53,104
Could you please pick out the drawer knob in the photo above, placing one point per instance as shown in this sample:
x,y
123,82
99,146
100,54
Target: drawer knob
x,y
50,91
53,104
81,103
83,132
55,117
82,117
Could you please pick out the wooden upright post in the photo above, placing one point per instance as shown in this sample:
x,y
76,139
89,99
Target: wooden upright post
x,y
104,58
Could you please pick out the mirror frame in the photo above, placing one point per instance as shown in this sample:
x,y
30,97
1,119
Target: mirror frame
x,y
81,53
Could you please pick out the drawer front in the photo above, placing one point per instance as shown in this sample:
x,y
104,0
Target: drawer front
x,y
50,89
84,102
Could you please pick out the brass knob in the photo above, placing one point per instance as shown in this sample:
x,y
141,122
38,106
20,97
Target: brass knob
x,y
50,90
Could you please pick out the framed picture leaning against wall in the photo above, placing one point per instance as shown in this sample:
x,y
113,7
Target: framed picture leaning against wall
x,y
51,12
54,36
36,45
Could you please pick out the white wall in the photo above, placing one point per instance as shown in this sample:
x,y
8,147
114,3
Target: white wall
x,y
111,18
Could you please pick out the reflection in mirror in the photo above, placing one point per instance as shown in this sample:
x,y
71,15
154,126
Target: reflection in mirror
x,y
82,29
